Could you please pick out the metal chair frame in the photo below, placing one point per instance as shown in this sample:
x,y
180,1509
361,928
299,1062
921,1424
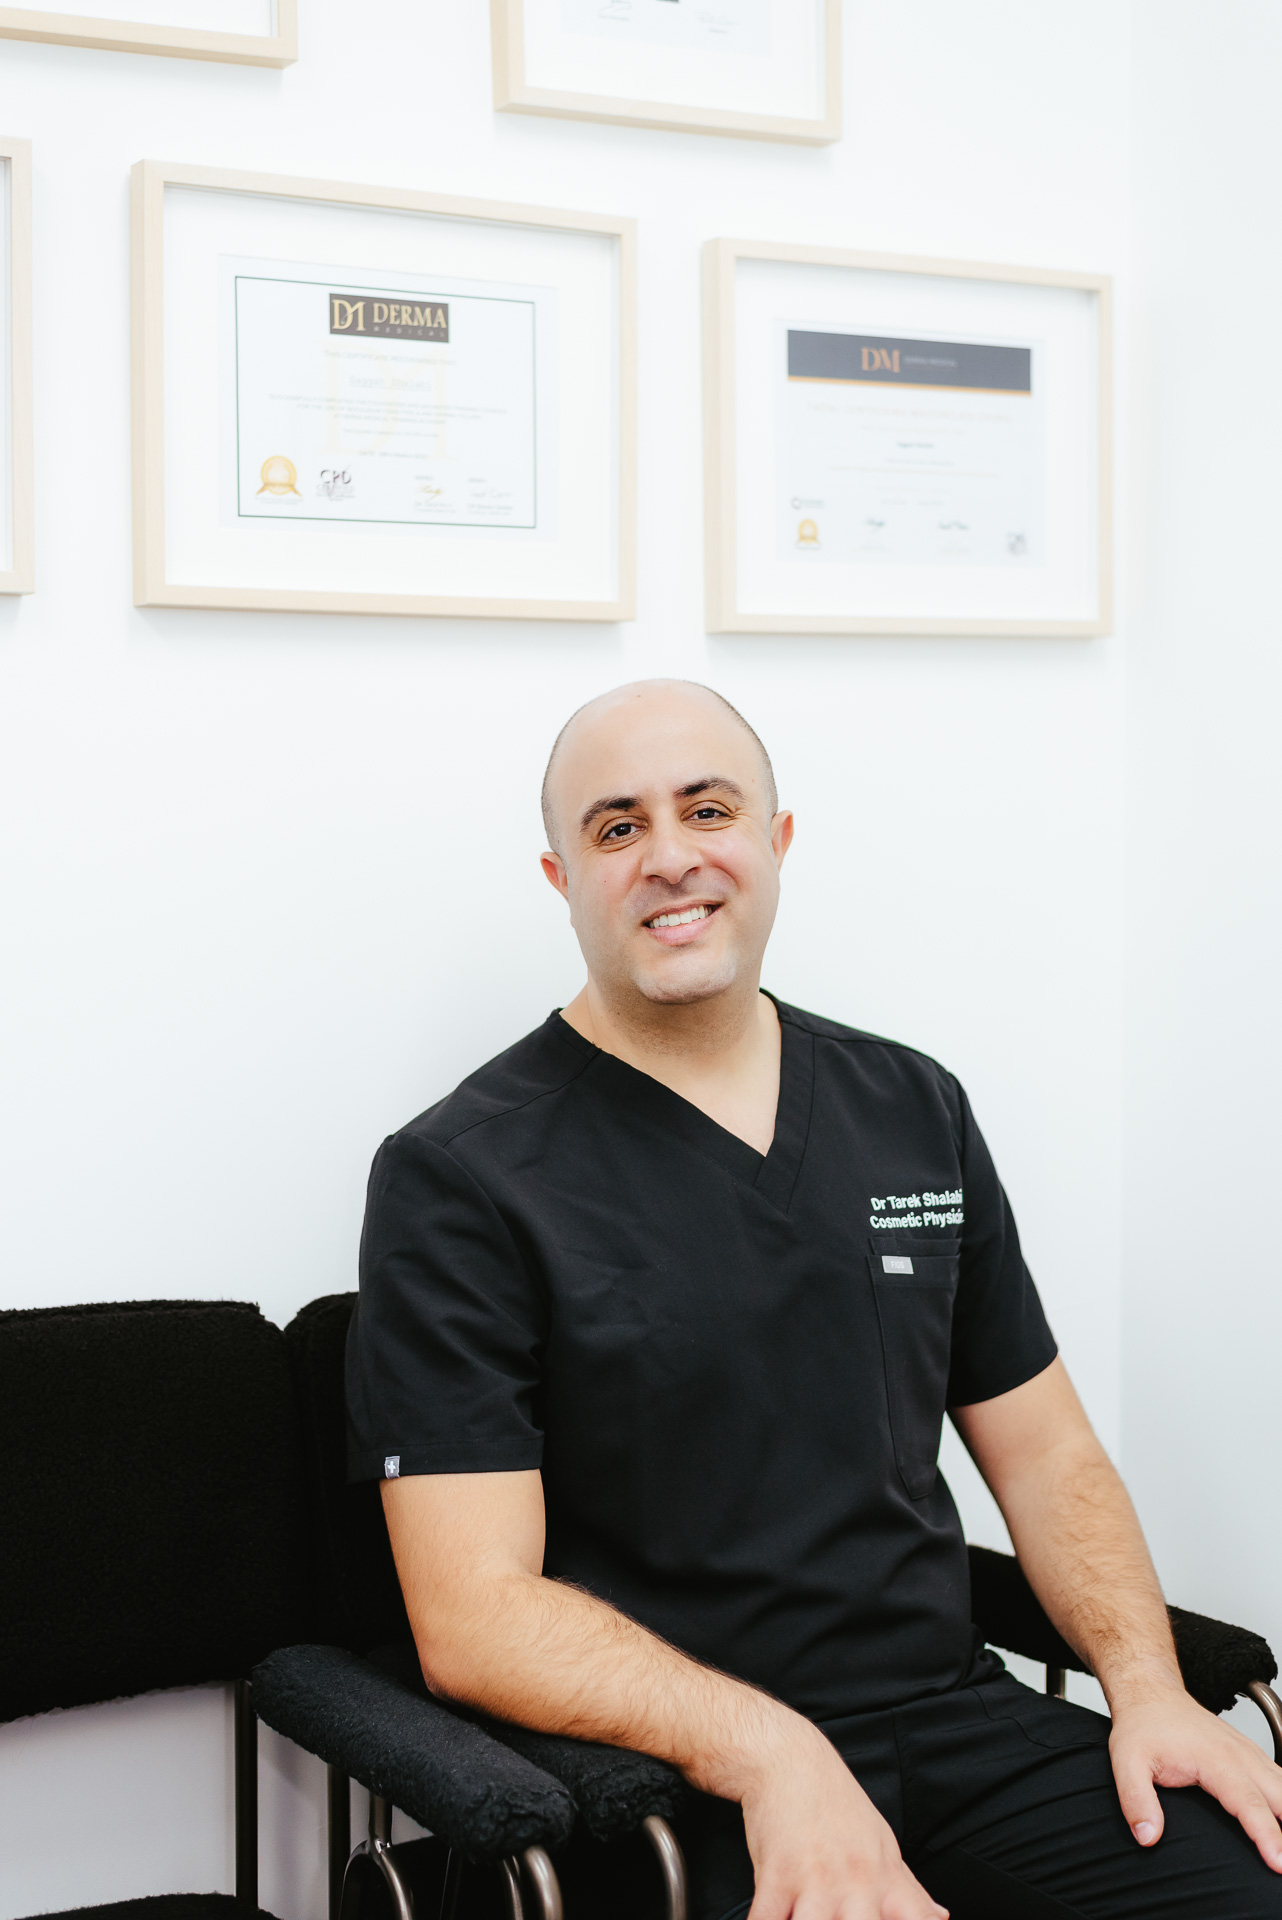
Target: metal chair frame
x,y
531,1871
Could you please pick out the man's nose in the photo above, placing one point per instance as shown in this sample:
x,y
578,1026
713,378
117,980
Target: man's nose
x,y
670,853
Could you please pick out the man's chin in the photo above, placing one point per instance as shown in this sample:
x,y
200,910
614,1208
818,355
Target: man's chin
x,y
685,980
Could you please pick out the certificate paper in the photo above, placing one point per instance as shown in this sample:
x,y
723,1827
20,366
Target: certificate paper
x,y
397,401
732,26
909,450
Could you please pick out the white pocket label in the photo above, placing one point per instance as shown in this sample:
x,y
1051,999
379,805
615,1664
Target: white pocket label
x,y
896,1263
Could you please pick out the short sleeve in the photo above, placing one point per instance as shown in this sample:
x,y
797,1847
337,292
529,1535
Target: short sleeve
x,y
1000,1334
443,1350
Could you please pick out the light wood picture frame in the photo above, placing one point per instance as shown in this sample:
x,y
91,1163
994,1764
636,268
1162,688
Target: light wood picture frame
x,y
516,92
606,241
278,48
739,268
17,561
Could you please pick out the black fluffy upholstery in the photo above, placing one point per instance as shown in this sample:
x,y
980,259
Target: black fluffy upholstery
x,y
167,1906
442,1770
150,1502
358,1597
613,1789
1218,1661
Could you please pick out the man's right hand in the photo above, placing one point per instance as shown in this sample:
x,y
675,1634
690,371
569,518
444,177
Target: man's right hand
x,y
820,1849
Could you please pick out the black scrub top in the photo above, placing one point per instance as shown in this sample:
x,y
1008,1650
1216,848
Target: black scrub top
x,y
732,1370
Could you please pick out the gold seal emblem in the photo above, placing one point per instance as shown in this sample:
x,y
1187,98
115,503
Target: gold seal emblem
x,y
278,475
807,532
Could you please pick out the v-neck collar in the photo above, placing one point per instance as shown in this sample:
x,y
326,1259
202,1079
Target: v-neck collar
x,y
773,1174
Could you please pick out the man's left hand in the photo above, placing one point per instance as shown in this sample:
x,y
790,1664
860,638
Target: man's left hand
x,y
1167,1740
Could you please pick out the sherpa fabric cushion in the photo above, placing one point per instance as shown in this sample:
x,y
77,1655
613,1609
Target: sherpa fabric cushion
x,y
1218,1661
443,1771
358,1597
613,1788
150,1502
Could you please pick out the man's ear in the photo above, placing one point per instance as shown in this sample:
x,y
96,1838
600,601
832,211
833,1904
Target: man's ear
x,y
554,869
781,835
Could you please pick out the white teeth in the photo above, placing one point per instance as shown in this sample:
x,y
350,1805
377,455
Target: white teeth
x,y
680,919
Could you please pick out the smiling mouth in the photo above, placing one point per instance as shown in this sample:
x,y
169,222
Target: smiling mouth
x,y
685,918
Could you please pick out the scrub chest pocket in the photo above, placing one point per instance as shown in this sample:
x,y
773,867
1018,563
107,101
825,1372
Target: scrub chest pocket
x,y
914,1292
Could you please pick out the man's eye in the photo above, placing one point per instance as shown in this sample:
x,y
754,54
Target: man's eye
x,y
709,813
621,830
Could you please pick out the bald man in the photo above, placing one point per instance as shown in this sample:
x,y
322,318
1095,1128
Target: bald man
x,y
660,1315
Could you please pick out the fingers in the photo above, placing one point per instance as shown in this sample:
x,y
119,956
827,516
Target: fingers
x,y
1140,1805
1258,1821
1254,1802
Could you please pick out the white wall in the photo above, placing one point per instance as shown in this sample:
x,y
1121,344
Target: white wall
x,y
1203,1320
271,881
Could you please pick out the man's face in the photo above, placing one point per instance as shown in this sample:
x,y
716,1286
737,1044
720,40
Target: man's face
x,y
669,855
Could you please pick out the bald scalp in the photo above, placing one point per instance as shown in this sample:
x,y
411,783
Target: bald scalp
x,y
549,816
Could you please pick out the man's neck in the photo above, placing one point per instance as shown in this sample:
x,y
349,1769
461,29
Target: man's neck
x,y
720,1054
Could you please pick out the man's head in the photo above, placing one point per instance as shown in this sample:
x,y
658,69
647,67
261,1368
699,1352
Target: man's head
x,y
659,801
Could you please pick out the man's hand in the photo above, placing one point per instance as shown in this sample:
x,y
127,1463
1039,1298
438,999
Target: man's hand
x,y
1163,1736
820,1849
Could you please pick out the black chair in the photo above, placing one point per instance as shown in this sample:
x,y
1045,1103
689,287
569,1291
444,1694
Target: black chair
x,y
497,1799
154,1510
151,1514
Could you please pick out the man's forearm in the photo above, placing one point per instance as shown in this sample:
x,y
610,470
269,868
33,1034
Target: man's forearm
x,y
495,1634
551,1657
1079,1541
1075,1531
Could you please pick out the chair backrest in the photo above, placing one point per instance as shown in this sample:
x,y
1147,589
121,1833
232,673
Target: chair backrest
x,y
150,1503
358,1596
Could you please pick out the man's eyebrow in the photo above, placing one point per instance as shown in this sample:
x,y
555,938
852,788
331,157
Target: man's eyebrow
x,y
621,803
628,803
709,781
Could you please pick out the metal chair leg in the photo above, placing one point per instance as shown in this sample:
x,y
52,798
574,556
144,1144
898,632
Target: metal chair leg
x,y
671,1862
1057,1682
542,1877
397,1885
380,1818
1271,1707
338,1823
511,1871
245,1741
453,1882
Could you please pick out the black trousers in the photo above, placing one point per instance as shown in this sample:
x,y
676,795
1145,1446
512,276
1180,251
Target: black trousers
x,y
1004,1805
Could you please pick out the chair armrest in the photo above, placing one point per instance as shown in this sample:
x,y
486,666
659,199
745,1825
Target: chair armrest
x,y
443,1771
1218,1661
614,1790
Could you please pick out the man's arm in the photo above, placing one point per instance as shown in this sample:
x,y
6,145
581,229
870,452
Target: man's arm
x,y
1079,1542
491,1631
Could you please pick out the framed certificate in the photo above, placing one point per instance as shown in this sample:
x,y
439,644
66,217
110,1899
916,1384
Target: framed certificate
x,y
768,69
363,400
254,33
899,446
17,560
